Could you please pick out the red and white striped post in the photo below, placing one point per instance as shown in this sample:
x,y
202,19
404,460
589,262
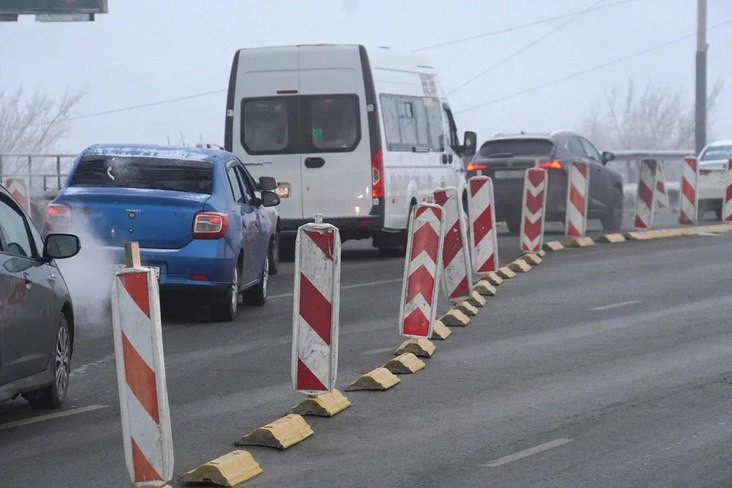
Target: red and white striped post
x,y
143,394
689,195
727,204
18,188
662,200
532,213
578,189
421,271
645,205
456,275
483,238
316,308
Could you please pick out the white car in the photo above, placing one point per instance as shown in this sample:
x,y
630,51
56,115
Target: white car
x,y
712,169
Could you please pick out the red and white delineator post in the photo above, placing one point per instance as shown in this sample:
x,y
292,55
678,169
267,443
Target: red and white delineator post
x,y
727,203
689,194
456,270
316,308
578,190
143,394
18,188
532,212
662,200
421,271
645,205
482,213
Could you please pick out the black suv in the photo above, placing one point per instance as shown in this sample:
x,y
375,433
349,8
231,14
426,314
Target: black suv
x,y
505,158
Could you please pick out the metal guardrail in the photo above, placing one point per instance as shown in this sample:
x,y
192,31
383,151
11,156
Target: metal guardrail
x,y
43,172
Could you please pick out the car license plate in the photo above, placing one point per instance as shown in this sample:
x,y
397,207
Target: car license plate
x,y
508,174
156,270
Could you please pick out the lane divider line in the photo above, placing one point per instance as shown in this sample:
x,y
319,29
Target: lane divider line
x,y
615,305
42,418
527,452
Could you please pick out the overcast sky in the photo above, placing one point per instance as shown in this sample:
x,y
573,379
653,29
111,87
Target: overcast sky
x,y
143,51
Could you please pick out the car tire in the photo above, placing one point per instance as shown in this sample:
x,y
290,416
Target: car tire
x,y
513,221
613,221
257,295
224,309
287,248
273,252
718,213
53,396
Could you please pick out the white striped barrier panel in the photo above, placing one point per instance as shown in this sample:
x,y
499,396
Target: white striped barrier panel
x,y
727,205
645,205
421,271
316,308
662,200
143,394
578,189
689,195
456,270
18,188
532,210
483,235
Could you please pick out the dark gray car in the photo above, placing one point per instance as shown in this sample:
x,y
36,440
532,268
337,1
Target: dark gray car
x,y
505,158
36,314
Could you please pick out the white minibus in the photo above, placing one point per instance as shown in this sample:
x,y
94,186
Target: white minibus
x,y
357,135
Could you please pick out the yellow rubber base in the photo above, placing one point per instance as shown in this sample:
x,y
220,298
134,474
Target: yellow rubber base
x,y
380,379
455,318
280,434
323,405
231,469
553,246
440,331
520,266
423,348
485,288
406,363
506,273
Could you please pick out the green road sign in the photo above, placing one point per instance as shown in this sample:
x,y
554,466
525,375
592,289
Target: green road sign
x,y
21,7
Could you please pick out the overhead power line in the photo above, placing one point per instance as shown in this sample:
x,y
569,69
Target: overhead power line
x,y
514,28
588,70
524,48
146,105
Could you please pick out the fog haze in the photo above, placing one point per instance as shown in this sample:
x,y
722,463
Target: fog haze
x,y
144,52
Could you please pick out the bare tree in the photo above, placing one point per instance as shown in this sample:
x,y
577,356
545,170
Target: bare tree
x,y
656,117
35,122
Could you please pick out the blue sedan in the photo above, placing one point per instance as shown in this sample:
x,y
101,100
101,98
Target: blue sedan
x,y
194,211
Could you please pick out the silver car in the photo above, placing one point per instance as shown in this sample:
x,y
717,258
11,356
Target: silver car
x,y
712,170
36,313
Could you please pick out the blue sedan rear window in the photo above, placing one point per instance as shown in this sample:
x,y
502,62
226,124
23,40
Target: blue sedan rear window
x,y
144,172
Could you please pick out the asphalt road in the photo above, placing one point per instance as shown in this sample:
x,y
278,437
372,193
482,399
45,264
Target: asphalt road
x,y
607,366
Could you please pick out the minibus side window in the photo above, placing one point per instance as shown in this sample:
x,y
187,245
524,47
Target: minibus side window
x,y
333,121
411,124
269,125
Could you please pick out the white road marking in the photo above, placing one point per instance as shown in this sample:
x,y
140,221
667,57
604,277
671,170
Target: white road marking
x,y
347,287
616,305
378,351
527,452
82,369
50,416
